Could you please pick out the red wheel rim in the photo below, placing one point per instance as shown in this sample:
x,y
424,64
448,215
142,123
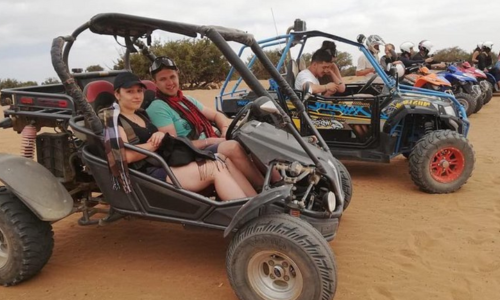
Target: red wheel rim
x,y
447,164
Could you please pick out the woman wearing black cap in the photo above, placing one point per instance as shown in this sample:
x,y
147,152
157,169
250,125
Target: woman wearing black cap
x,y
195,176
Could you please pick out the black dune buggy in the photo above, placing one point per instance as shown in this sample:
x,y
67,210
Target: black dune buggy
x,y
375,119
279,246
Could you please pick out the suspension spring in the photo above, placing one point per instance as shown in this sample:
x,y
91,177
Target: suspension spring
x,y
428,127
28,141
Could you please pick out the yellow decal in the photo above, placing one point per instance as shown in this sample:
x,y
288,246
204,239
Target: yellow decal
x,y
414,103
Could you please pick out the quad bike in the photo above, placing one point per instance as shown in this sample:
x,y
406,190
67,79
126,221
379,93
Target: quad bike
x,y
465,88
279,246
420,76
487,81
373,121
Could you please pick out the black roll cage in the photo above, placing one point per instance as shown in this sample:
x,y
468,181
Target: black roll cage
x,y
132,27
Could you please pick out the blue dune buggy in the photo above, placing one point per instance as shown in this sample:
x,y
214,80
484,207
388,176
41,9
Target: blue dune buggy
x,y
373,121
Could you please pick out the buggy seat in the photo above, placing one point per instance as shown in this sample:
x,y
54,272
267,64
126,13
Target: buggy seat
x,y
149,93
99,94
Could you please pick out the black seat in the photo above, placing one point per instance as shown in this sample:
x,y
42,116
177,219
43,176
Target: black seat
x,y
149,93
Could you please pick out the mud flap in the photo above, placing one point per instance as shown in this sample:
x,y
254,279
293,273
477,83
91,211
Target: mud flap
x,y
257,202
36,186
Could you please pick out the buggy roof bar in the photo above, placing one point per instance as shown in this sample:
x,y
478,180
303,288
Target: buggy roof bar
x,y
134,26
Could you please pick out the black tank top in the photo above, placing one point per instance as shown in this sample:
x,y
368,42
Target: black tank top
x,y
143,133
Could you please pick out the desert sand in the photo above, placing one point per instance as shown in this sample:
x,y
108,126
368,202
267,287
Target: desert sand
x,y
394,242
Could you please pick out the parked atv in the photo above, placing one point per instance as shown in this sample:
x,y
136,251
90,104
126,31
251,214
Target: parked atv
x,y
372,121
279,246
420,76
465,88
486,80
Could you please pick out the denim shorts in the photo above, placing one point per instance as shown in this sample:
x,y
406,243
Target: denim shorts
x,y
157,172
212,148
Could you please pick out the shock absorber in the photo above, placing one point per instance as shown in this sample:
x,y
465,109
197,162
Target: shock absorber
x,y
28,141
428,127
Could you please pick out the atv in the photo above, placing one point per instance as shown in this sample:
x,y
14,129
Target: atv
x,y
278,246
374,120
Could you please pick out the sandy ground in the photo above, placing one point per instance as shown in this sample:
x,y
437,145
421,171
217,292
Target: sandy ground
x,y
394,242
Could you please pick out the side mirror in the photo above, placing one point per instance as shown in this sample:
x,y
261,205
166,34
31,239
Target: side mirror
x,y
393,71
361,38
264,106
306,91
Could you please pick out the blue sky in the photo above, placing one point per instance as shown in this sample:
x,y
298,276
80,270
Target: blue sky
x,y
28,27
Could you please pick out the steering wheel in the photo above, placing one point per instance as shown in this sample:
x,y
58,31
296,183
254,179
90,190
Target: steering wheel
x,y
242,115
367,84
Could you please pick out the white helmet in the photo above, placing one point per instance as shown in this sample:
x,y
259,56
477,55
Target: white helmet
x,y
425,45
406,47
372,41
488,44
480,45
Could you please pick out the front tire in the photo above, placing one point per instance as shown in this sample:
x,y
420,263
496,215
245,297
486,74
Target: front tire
x,y
441,162
479,102
346,181
281,257
489,93
468,102
26,242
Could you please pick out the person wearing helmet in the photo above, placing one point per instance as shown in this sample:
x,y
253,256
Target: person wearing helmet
x,y
364,67
406,55
484,58
424,47
476,52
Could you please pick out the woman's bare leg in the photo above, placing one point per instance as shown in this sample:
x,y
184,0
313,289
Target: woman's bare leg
x,y
241,180
196,177
236,153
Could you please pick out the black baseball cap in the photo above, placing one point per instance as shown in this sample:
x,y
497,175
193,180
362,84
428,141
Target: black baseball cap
x,y
127,80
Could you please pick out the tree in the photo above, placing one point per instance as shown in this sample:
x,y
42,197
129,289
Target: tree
x,y
258,69
200,62
343,61
94,68
452,54
50,80
349,71
13,83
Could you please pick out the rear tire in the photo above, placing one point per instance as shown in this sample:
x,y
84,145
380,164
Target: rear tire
x,y
281,257
468,102
26,242
441,162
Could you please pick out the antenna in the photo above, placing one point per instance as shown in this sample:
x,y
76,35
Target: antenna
x,y
274,20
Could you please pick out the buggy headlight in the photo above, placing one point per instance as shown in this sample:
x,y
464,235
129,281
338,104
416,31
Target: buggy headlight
x,y
329,200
